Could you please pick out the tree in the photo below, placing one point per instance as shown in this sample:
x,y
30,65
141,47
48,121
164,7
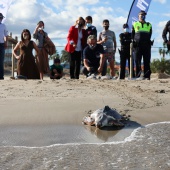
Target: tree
x,y
163,50
56,55
65,56
160,66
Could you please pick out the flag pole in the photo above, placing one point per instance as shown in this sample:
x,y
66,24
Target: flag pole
x,y
130,11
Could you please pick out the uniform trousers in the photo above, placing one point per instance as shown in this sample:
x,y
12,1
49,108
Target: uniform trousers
x,y
144,51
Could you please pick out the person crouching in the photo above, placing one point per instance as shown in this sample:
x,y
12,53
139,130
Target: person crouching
x,y
56,70
93,56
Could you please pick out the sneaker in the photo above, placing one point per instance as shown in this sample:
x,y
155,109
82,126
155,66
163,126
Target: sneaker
x,y
98,77
106,77
140,78
92,76
113,78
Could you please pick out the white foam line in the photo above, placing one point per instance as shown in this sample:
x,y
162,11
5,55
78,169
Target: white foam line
x,y
128,139
166,122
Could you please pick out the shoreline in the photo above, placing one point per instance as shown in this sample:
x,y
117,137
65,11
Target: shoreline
x,y
49,113
65,102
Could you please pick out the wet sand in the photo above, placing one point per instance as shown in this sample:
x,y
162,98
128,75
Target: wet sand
x,y
42,113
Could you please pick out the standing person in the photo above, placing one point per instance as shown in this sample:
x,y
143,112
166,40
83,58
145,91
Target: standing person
x,y
76,41
125,40
108,39
166,30
3,45
141,35
90,29
26,65
93,56
42,59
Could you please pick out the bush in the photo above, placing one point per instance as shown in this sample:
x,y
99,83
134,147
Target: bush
x,y
160,66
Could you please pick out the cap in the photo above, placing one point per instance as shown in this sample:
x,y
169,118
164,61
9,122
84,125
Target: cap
x,y
125,25
1,16
142,13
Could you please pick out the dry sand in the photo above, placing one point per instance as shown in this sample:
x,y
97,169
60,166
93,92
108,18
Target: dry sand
x,y
42,113
67,101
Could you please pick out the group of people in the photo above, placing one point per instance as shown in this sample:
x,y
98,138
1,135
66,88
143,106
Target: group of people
x,y
30,66
82,44
97,52
84,47
34,67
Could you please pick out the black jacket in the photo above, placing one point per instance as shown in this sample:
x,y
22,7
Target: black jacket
x,y
125,40
165,31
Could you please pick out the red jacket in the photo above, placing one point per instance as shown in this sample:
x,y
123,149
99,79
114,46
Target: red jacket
x,y
73,36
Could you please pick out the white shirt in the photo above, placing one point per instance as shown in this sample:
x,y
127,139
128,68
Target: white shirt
x,y
3,32
80,35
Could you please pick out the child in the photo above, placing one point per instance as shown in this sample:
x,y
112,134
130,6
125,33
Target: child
x,y
56,70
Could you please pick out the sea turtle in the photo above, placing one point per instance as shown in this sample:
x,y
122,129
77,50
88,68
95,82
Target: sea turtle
x,y
104,117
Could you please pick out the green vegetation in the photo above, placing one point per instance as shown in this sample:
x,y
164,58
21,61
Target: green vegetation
x,y
161,65
64,56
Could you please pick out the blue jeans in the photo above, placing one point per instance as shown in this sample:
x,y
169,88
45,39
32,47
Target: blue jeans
x,y
2,54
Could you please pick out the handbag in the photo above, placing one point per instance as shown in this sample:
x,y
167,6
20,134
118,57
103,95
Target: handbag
x,y
49,46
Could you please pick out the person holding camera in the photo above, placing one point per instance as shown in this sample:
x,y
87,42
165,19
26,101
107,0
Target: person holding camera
x,y
93,56
42,59
75,43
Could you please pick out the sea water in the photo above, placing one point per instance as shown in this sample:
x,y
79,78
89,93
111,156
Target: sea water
x,y
146,147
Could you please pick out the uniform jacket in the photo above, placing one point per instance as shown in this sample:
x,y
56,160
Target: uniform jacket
x,y
73,36
141,32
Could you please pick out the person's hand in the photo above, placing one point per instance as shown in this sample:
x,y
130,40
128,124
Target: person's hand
x,y
105,39
88,68
168,42
57,75
100,69
18,57
55,71
38,26
74,45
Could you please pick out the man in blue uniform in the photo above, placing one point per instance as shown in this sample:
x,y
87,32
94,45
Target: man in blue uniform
x,y
141,35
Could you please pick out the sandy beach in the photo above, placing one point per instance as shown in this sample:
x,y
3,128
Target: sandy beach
x,y
41,124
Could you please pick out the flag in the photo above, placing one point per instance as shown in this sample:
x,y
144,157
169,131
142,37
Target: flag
x,y
4,6
136,7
